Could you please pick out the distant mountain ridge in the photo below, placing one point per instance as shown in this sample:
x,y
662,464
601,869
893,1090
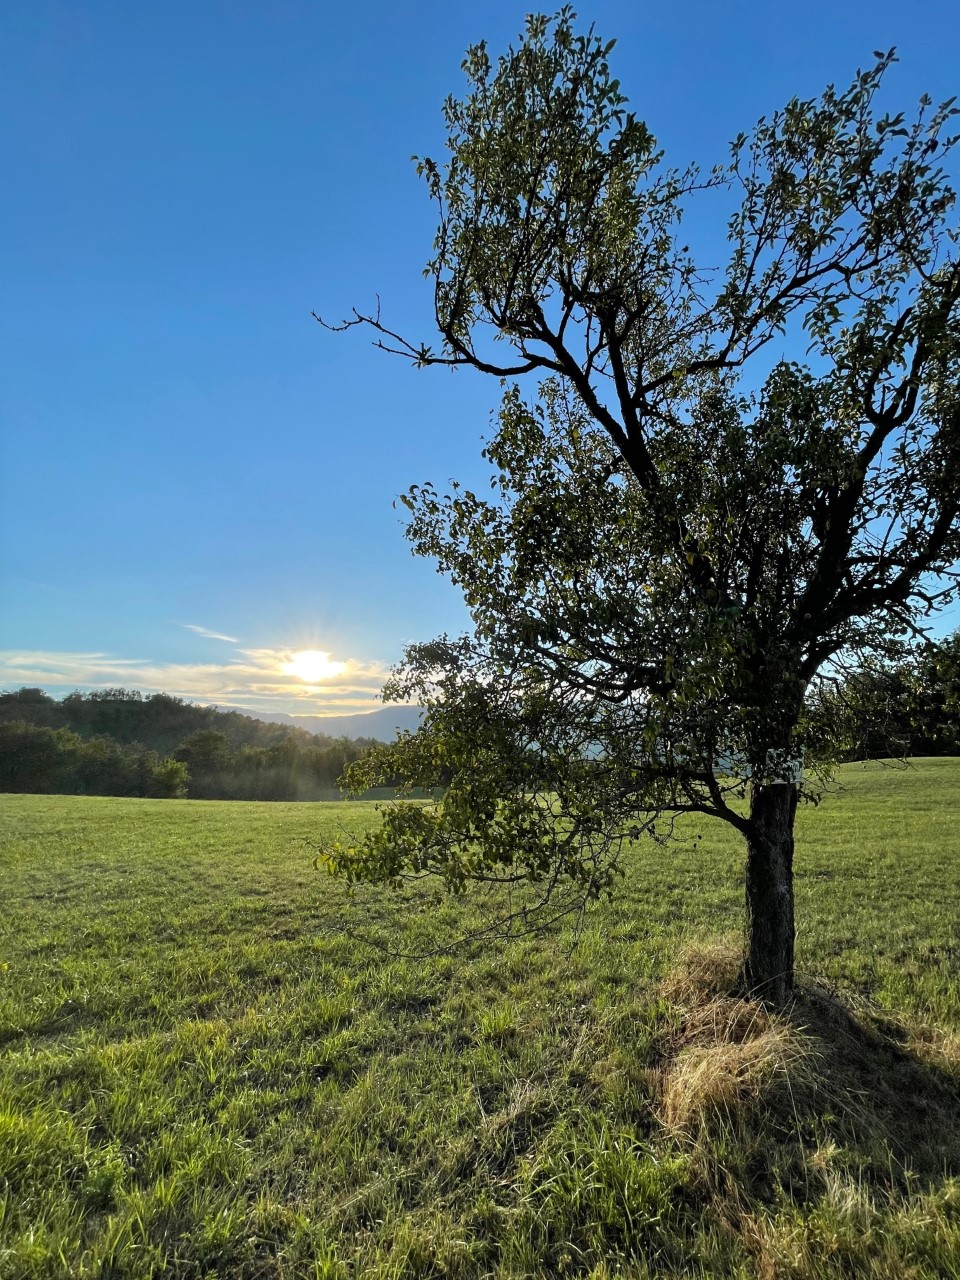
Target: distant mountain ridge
x,y
381,724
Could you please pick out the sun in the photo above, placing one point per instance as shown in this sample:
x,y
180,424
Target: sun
x,y
312,666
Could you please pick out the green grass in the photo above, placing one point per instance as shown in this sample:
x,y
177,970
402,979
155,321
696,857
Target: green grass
x,y
207,1069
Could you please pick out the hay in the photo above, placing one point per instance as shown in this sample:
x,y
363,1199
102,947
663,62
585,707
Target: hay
x,y
708,1081
730,1056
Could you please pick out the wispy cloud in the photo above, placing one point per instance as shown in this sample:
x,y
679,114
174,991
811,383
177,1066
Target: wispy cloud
x,y
256,678
209,635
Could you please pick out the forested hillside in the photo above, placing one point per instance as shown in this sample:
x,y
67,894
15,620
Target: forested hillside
x,y
118,742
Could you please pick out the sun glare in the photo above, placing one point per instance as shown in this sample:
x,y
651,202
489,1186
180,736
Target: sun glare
x,y
312,666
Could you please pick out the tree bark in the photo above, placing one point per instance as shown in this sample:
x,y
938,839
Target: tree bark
x,y
768,963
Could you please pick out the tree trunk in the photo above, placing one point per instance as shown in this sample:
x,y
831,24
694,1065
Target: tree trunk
x,y
768,963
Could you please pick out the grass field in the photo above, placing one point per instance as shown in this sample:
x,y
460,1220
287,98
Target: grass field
x,y
208,1068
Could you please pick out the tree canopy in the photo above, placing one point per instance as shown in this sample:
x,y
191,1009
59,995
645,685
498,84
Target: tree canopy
x,y
686,527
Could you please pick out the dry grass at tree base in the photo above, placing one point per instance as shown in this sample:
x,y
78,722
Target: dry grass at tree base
x,y
206,1070
824,1103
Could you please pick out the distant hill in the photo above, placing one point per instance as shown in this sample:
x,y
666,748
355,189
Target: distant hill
x,y
118,742
161,722
381,724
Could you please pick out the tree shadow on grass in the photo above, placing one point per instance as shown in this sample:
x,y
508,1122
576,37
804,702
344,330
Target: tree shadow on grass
x,y
782,1101
896,1086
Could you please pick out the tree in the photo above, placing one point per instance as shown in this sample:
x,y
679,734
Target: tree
x,y
37,759
686,528
911,708
877,705
936,699
164,778
207,757
30,705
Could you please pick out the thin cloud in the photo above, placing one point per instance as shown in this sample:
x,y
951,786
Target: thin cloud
x,y
210,635
256,678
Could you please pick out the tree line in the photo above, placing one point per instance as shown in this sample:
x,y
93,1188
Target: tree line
x,y
911,708
118,742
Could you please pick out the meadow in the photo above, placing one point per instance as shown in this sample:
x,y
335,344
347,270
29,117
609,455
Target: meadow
x,y
216,1062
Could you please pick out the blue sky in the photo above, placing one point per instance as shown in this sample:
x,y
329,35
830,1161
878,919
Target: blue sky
x,y
197,481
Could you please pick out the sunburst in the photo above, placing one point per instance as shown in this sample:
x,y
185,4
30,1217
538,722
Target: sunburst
x,y
312,666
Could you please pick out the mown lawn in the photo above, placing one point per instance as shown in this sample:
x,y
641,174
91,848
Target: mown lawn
x,y
210,1065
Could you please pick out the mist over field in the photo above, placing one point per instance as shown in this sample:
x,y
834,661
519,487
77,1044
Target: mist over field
x,y
381,724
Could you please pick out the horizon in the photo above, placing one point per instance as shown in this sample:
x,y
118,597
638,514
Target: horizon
x,y
379,720
198,482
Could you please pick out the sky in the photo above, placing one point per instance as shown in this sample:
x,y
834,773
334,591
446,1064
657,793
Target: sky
x,y
197,482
